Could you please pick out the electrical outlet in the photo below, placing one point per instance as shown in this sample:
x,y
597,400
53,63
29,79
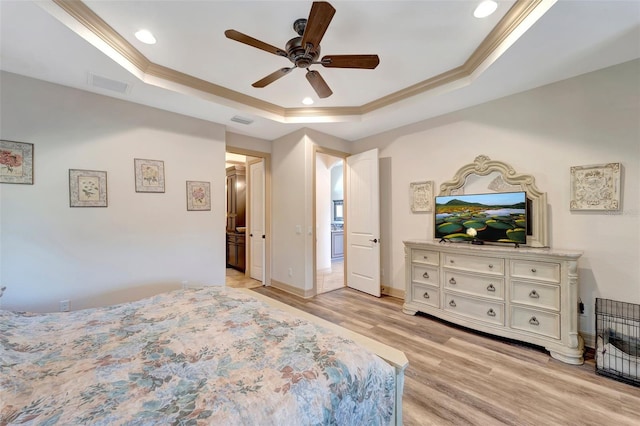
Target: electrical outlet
x,y
64,305
290,272
185,285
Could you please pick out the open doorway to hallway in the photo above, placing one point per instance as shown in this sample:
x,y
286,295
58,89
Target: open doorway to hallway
x,y
247,221
329,222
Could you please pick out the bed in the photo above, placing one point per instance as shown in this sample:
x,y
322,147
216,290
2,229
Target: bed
x,y
198,356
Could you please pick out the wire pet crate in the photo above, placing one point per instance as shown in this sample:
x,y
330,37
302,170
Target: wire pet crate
x,y
618,340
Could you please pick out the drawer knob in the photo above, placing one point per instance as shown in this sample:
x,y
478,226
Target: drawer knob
x,y
425,257
426,295
534,321
490,266
490,287
425,275
534,294
533,270
451,261
491,312
452,303
452,281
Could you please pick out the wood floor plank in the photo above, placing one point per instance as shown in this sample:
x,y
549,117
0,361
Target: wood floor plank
x,y
460,377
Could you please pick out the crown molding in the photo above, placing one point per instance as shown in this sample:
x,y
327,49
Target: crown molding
x,y
514,23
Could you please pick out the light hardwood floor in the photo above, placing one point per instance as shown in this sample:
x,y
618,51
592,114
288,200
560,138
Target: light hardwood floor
x,y
458,377
238,279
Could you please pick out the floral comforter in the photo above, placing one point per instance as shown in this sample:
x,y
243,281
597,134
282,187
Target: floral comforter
x,y
189,357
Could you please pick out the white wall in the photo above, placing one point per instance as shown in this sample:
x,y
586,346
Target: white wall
x,y
236,140
323,212
141,243
289,221
590,119
337,182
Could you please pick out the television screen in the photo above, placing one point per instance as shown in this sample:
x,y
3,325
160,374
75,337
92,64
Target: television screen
x,y
494,217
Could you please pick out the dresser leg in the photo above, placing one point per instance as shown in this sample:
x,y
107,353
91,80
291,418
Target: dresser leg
x,y
408,311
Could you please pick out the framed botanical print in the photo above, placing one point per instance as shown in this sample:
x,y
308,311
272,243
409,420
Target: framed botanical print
x,y
198,196
596,187
149,175
87,188
16,162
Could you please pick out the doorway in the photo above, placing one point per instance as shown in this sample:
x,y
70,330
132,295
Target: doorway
x,y
247,246
329,222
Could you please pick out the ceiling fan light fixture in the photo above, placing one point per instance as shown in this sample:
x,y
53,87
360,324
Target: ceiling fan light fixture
x,y
307,101
486,8
145,36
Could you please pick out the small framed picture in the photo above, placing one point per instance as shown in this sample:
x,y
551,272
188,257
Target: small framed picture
x,y
421,196
87,188
596,187
198,196
149,175
16,162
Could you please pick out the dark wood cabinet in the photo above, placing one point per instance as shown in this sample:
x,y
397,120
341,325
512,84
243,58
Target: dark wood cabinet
x,y
236,197
236,251
236,216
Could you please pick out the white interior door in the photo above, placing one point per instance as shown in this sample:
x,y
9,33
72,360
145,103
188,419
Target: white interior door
x,y
256,220
363,222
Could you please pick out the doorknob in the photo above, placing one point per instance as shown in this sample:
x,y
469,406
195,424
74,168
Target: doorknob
x,y
375,240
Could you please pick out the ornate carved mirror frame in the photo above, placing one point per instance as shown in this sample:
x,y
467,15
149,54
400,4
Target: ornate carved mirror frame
x,y
509,181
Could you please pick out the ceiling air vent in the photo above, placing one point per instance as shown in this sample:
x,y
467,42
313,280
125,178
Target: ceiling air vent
x,y
241,120
108,84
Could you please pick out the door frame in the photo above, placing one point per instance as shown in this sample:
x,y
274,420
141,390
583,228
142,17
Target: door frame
x,y
267,210
339,154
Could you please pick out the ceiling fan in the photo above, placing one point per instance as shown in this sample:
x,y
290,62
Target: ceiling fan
x,y
304,50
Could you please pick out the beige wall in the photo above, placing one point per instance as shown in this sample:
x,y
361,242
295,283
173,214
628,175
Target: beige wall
x,y
590,119
142,243
49,251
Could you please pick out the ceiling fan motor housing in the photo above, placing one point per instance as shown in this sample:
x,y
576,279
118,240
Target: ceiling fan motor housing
x,y
299,55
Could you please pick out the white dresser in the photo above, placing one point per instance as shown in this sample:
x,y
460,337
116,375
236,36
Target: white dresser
x,y
526,294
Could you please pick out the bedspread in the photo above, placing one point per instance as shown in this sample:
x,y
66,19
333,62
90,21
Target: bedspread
x,y
208,356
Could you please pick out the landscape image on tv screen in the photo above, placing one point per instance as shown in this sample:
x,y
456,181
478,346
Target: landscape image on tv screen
x,y
494,217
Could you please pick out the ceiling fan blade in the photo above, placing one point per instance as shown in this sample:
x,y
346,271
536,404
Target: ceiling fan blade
x,y
318,84
272,77
351,61
317,23
243,38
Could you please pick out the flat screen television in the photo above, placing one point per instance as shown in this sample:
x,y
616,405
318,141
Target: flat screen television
x,y
499,217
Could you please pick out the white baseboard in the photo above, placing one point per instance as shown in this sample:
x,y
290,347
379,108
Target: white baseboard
x,y
306,294
391,291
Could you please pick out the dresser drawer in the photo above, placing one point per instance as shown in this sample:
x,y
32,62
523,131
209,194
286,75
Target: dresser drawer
x,y
425,295
534,321
425,256
486,265
481,310
425,274
541,271
537,295
479,285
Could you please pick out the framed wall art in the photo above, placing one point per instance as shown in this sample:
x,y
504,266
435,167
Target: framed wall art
x,y
149,175
596,187
421,196
16,162
198,196
87,188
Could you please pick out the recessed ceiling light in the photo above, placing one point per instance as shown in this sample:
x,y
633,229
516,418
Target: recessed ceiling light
x,y
145,36
307,101
486,8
